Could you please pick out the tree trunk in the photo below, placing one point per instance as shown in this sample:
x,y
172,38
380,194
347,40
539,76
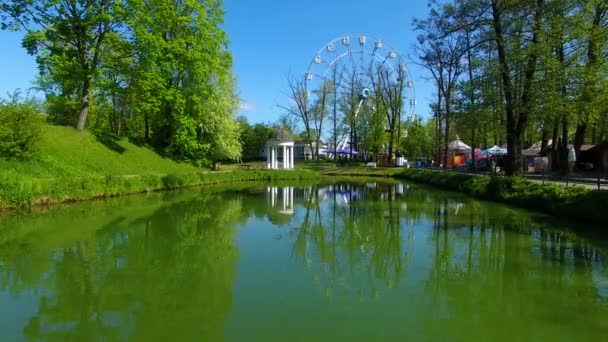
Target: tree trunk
x,y
439,156
554,152
579,137
84,104
563,150
544,140
589,91
517,116
472,110
446,138
473,165
390,150
147,128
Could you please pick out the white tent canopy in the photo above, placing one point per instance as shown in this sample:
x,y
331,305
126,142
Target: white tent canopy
x,y
495,151
458,145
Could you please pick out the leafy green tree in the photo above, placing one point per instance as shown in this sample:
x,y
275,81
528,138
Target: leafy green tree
x,y
67,38
594,26
21,127
418,142
441,52
253,138
184,79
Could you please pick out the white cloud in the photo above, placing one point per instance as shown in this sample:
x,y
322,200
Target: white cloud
x,y
246,107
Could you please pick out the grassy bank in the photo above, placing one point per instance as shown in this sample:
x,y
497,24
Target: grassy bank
x,y
64,151
571,202
26,192
73,166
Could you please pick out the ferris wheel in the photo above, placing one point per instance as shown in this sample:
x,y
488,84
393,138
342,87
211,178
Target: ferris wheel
x,y
353,62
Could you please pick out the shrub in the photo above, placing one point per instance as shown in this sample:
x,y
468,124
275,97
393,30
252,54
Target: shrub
x,y
20,128
19,191
573,202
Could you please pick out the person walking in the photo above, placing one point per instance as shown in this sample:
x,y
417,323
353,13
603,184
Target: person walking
x,y
571,159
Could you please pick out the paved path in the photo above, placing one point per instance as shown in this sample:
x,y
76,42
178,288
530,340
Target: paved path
x,y
587,182
585,185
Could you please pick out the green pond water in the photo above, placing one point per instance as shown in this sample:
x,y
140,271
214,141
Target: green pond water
x,y
363,261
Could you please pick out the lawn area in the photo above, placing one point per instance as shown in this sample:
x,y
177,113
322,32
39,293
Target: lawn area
x,y
71,166
64,151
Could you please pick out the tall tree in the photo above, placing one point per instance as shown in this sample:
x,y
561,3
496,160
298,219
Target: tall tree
x,y
595,37
67,38
441,52
506,20
184,78
299,96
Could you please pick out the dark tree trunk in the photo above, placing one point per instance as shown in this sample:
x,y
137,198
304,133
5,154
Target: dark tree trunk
x,y
589,92
554,152
563,150
471,101
517,116
84,104
439,155
473,165
446,138
147,128
579,137
544,140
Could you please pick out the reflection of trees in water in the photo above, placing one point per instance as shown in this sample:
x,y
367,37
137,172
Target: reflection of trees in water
x,y
166,270
166,274
351,248
503,263
484,256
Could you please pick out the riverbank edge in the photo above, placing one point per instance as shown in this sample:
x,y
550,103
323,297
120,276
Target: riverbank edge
x,y
22,192
573,202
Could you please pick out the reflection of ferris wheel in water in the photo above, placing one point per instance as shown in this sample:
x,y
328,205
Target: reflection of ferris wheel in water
x,y
354,63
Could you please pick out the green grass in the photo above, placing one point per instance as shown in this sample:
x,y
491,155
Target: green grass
x,y
64,151
74,166
573,202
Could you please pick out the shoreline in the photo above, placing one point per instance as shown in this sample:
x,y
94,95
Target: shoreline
x,y
24,193
573,202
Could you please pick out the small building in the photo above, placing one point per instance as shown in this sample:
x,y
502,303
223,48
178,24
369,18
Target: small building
x,y
303,150
597,155
280,146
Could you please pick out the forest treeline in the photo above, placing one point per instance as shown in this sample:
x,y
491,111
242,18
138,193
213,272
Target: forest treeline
x,y
517,72
155,71
507,72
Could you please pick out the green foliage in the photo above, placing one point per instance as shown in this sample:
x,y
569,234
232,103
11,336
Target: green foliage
x,y
537,71
67,39
66,152
183,71
19,191
573,202
73,165
21,128
418,142
253,139
157,71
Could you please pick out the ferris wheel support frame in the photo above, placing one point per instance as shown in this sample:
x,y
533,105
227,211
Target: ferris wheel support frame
x,y
330,47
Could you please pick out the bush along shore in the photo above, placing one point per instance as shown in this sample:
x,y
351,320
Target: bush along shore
x,y
573,202
21,192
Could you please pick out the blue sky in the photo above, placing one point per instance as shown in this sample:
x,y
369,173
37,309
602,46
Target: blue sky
x,y
270,38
